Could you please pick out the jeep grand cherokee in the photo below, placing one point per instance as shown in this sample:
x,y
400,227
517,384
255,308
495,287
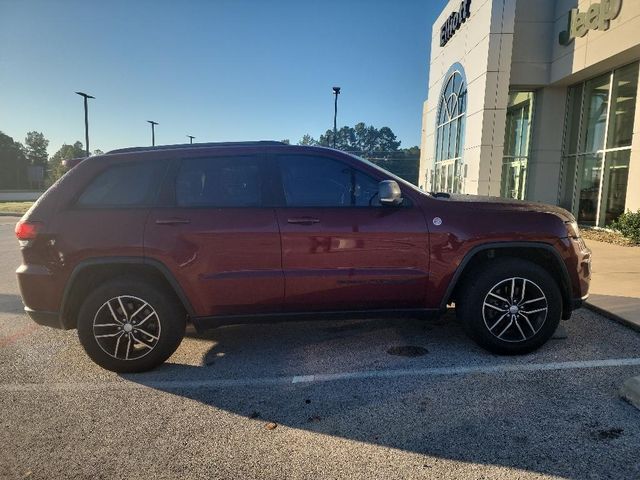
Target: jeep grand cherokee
x,y
129,246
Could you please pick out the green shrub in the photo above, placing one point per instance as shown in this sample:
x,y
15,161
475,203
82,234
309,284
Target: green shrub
x,y
628,224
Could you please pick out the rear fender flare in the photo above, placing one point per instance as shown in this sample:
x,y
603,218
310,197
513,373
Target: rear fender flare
x,y
160,267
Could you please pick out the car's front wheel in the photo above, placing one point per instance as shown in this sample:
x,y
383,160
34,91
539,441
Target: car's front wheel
x,y
510,306
130,325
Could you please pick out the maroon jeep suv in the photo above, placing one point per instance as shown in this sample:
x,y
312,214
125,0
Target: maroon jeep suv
x,y
129,246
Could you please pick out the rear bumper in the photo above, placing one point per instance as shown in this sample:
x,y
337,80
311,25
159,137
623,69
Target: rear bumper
x,y
40,291
48,319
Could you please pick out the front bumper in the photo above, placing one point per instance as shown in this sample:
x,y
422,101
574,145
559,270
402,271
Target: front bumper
x,y
577,303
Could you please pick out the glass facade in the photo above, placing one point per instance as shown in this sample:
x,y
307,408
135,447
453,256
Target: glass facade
x,y
597,148
452,108
516,145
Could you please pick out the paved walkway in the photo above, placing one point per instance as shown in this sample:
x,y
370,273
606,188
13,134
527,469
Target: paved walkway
x,y
615,283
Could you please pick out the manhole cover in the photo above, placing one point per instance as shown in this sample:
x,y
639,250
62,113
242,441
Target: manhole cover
x,y
408,351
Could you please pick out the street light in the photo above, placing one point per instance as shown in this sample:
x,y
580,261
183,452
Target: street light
x,y
86,119
153,132
191,137
336,92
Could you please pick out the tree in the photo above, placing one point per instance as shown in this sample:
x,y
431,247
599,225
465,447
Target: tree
x,y
66,152
387,140
380,146
362,138
13,163
286,141
345,139
307,140
36,152
404,162
36,148
412,152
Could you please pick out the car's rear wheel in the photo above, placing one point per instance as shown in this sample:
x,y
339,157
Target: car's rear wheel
x,y
129,325
510,306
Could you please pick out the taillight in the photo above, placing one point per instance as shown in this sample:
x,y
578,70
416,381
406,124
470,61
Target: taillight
x,y
26,231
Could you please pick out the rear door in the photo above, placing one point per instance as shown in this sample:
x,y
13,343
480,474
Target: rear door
x,y
342,250
218,235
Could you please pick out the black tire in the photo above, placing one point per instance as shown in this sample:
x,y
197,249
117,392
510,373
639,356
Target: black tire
x,y
495,276
164,330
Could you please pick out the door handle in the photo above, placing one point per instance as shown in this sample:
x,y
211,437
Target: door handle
x,y
172,221
303,220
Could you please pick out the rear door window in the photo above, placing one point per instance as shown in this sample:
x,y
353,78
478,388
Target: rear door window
x,y
220,182
125,185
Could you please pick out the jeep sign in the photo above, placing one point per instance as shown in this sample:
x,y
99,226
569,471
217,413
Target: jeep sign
x,y
596,17
454,22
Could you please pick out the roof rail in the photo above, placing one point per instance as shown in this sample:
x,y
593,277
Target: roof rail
x,y
196,145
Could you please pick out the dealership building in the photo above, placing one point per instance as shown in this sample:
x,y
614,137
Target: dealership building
x,y
536,100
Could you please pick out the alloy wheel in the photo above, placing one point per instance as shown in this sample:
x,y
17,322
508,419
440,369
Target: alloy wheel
x,y
515,309
126,327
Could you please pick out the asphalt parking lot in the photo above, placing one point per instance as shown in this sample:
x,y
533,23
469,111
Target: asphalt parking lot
x,y
341,404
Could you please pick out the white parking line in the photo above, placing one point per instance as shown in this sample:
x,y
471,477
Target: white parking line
x,y
302,378
144,380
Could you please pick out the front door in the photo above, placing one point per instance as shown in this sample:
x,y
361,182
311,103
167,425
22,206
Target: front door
x,y
341,249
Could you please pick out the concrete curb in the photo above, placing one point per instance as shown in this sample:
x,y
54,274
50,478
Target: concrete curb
x,y
627,323
630,391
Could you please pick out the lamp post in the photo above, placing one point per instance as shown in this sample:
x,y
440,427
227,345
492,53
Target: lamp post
x,y
86,119
153,132
336,92
191,137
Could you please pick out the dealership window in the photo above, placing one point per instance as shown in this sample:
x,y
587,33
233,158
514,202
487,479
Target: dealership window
x,y
597,148
516,145
447,173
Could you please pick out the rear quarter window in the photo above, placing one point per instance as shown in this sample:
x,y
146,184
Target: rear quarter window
x,y
125,185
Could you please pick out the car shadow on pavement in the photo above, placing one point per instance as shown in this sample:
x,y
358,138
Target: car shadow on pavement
x,y
517,421
10,303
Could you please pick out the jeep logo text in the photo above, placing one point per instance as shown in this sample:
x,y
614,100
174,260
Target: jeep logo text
x,y
597,17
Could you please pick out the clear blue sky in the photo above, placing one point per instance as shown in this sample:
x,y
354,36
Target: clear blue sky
x,y
220,70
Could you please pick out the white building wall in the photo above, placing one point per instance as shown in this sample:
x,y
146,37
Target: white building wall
x,y
545,152
483,47
513,45
533,42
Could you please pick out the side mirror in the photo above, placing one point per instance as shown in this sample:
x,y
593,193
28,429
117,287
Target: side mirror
x,y
389,193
